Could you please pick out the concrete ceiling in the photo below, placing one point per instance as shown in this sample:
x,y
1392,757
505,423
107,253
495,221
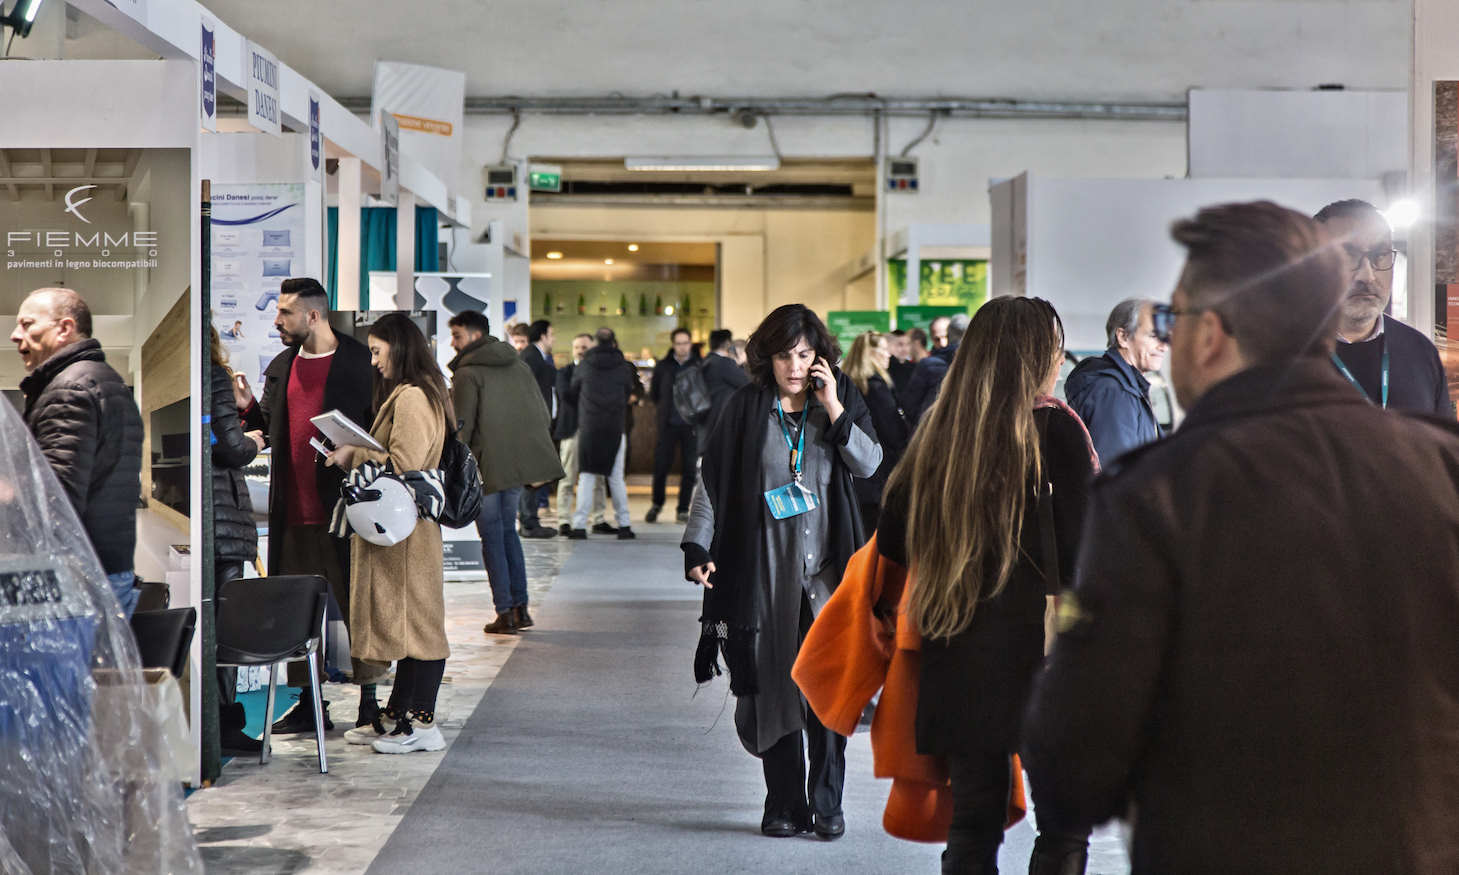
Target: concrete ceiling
x,y
1035,49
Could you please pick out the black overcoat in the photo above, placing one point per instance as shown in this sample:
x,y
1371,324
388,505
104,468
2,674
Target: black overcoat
x,y
602,385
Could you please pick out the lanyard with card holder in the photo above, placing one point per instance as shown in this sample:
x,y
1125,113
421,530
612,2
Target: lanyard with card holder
x,y
792,499
1354,380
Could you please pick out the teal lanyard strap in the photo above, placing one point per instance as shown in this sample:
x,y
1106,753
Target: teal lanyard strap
x,y
797,453
1354,380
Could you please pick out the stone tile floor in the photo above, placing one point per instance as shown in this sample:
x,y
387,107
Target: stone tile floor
x,y
285,817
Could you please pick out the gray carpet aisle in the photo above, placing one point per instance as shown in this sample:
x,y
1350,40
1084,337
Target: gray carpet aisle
x,y
589,753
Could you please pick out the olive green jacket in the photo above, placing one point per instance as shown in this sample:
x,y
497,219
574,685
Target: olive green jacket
x,y
503,418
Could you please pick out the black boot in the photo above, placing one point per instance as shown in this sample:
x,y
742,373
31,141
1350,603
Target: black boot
x,y
231,736
300,718
522,619
504,624
1057,861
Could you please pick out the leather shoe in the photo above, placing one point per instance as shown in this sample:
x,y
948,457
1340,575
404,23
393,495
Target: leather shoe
x,y
565,529
578,535
779,826
653,514
504,624
828,826
539,532
235,743
300,718
522,618
626,534
604,529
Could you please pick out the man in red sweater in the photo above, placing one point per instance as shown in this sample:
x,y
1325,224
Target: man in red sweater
x,y
319,370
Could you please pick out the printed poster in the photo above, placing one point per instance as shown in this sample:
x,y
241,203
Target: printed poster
x,y
257,243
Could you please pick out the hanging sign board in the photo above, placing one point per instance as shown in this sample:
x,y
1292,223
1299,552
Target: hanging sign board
x,y
208,77
390,171
428,103
262,70
316,136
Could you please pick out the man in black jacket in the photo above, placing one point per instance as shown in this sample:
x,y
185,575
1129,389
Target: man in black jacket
x,y
722,374
675,433
926,380
538,356
1394,365
87,425
319,370
604,384
1258,659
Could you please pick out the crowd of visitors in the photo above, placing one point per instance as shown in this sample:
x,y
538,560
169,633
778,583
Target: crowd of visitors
x,y
1248,621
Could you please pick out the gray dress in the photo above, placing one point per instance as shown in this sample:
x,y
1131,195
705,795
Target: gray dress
x,y
798,571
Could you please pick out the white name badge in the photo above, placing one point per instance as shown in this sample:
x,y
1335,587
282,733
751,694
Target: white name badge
x,y
790,500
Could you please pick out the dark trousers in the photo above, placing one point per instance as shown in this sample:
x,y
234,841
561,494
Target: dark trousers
x,y
501,550
417,681
789,791
981,782
671,438
227,675
312,550
529,508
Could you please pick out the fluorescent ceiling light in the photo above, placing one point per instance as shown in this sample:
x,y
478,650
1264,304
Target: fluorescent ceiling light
x,y
703,163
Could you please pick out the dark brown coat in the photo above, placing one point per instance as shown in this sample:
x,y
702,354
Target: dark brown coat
x,y
1264,661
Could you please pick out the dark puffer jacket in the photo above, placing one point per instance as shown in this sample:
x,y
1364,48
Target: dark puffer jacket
x,y
87,424
235,535
602,385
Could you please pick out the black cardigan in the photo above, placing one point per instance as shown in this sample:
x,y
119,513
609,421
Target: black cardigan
x,y
730,472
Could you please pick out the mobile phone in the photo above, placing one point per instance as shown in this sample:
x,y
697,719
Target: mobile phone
x,y
817,384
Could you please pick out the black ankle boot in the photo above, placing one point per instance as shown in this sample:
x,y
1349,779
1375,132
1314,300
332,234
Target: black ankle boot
x,y
504,624
1049,861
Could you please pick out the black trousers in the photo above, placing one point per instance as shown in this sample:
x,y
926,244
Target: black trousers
x,y
417,681
224,571
789,790
671,438
313,550
981,782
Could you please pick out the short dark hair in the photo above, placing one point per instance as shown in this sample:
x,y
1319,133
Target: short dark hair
x,y
471,320
1270,273
1352,208
918,336
720,338
309,292
898,332
678,331
782,329
538,330
519,330
605,337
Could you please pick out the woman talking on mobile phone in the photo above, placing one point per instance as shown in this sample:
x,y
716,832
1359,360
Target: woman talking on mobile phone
x,y
773,523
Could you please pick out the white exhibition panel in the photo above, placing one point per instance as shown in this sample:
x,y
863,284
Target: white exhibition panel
x,y
1094,242
1298,134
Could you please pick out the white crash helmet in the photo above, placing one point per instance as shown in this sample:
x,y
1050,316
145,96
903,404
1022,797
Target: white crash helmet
x,y
383,512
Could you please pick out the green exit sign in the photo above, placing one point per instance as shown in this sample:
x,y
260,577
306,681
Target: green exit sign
x,y
545,177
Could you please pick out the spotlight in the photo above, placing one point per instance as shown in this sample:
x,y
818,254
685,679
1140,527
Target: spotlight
x,y
1402,213
607,261
554,255
633,247
21,17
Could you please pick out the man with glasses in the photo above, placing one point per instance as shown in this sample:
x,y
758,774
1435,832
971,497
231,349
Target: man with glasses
x,y
1110,392
1394,365
1258,656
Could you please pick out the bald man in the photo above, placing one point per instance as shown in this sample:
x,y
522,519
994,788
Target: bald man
x,y
87,424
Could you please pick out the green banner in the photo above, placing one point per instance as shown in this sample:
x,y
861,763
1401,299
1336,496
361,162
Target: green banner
x,y
846,324
959,283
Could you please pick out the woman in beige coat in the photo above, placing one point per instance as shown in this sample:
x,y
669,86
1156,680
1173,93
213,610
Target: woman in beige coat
x,y
397,597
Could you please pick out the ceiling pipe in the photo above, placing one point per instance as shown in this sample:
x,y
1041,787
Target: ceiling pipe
x,y
836,105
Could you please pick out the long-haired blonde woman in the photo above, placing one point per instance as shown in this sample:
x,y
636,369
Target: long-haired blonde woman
x,y
866,364
963,513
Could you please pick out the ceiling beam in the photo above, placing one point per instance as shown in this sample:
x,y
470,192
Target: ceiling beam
x,y
133,156
5,171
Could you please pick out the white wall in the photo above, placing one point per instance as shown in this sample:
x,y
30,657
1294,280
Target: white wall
x,y
1094,242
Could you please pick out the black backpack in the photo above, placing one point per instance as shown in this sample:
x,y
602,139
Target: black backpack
x,y
691,393
463,484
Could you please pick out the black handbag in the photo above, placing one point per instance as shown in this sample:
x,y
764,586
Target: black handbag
x,y
691,393
462,482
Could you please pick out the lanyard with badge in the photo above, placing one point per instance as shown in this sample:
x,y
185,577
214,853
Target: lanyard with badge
x,y
792,499
1354,380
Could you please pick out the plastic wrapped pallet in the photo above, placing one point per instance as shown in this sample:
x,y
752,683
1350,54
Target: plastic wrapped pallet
x,y
81,790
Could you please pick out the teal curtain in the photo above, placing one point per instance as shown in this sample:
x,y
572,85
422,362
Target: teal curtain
x,y
377,246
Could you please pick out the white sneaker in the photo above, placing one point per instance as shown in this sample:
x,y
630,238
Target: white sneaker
x,y
420,738
362,734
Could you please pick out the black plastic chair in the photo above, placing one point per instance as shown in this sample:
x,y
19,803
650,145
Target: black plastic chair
x,y
163,637
153,596
269,620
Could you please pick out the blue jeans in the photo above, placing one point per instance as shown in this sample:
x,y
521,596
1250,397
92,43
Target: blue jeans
x,y
126,593
501,549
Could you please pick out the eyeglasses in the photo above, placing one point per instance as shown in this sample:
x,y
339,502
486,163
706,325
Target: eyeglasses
x,y
1163,316
1380,258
